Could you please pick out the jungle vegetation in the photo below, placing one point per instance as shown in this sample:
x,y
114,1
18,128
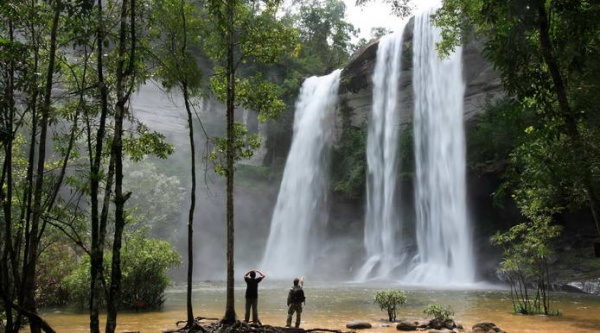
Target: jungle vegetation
x,y
74,224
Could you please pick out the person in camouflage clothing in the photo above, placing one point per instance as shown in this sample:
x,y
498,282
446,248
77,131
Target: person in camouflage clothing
x,y
294,301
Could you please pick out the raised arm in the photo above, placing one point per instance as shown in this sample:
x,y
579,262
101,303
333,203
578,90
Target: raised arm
x,y
261,273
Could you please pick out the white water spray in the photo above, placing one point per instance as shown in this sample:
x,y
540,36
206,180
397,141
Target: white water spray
x,y
299,215
444,237
382,218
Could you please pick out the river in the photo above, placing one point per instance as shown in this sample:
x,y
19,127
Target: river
x,y
332,304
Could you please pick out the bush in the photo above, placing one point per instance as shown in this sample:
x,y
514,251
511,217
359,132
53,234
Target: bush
x,y
55,262
145,265
441,314
144,261
390,300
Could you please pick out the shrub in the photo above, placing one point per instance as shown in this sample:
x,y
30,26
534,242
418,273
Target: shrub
x,y
390,300
145,262
55,262
441,314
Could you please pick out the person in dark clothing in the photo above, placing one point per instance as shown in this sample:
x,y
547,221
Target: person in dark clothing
x,y
294,301
252,293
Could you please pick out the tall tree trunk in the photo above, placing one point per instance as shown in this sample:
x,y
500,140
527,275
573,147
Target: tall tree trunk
x,y
188,109
230,315
22,232
8,260
124,72
98,224
34,234
190,271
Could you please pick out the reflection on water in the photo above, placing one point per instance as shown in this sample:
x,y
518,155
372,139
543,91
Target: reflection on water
x,y
331,305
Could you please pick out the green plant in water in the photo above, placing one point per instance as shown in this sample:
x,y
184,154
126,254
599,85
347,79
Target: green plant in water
x,y
389,300
441,314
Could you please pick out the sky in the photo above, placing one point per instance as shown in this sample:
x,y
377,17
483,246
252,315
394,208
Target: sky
x,y
377,13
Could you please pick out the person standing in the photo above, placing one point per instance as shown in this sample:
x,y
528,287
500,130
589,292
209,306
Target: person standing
x,y
252,282
294,301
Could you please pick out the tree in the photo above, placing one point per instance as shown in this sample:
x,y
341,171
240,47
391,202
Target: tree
x,y
176,26
525,263
30,60
326,36
400,8
389,301
242,32
34,61
441,315
545,52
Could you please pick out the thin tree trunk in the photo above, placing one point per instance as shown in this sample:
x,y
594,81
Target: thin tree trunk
x,y
36,221
190,271
230,316
123,93
6,185
98,226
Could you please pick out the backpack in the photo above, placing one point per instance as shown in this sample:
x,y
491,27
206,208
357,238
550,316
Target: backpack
x,y
297,295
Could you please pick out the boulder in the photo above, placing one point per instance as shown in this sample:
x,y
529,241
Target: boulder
x,y
406,325
486,327
358,324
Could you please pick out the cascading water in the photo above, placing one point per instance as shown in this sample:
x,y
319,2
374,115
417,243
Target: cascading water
x,y
444,237
382,218
298,218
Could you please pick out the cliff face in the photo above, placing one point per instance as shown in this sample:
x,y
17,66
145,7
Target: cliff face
x,y
355,104
356,87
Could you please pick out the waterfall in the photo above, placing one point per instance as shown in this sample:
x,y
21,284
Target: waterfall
x,y
299,216
382,217
444,237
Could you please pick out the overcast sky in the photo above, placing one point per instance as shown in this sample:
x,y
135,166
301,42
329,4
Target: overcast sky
x,y
376,13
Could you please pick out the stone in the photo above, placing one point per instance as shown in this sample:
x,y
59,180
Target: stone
x,y
406,325
358,324
486,327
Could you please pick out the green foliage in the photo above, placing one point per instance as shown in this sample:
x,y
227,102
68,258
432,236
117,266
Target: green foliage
x,y
145,263
257,178
441,314
78,284
544,52
349,162
244,146
401,8
177,26
324,42
56,262
390,300
406,153
525,263
496,132
325,34
143,142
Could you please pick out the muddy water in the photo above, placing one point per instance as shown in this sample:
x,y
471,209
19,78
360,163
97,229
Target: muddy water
x,y
332,305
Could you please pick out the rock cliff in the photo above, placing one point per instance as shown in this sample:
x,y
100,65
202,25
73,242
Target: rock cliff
x,y
356,87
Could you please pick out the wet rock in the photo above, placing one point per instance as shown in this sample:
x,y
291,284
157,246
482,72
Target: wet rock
x,y
406,325
358,324
486,327
591,286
